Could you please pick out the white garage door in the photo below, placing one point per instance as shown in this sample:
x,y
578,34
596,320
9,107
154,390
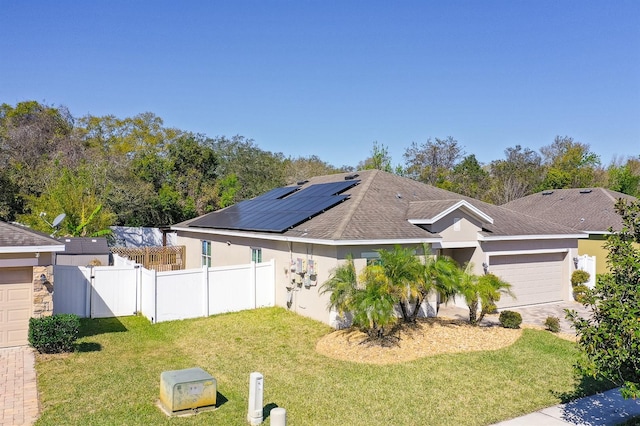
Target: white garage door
x,y
534,278
15,305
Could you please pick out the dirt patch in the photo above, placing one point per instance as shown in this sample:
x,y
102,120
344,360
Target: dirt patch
x,y
428,337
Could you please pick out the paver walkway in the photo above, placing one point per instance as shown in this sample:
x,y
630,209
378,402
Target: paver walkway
x,y
18,390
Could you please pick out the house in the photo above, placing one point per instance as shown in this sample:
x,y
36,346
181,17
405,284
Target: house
x,y
311,227
26,280
83,251
587,210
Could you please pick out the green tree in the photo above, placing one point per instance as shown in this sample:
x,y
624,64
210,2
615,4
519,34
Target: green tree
x,y
609,339
569,164
257,171
75,194
433,161
468,178
379,160
519,174
480,292
625,178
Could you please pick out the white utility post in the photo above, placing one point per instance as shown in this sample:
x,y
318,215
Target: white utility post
x,y
256,390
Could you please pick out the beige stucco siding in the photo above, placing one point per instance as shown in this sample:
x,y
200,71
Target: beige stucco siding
x,y
457,227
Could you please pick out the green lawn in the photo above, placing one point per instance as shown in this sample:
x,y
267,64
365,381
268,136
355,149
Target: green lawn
x,y
114,376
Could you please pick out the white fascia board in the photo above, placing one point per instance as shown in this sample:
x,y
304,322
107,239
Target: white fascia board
x,y
32,249
519,252
287,238
598,232
462,204
532,237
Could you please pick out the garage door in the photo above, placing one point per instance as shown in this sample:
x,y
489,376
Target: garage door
x,y
15,305
534,278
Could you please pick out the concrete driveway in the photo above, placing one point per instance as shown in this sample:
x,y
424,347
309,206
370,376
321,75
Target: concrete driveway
x,y
531,315
18,389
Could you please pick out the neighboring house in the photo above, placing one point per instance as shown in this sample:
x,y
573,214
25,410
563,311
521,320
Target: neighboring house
x,y
590,211
311,227
26,279
84,251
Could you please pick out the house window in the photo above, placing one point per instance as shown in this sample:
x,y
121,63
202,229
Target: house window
x,y
372,257
256,255
206,253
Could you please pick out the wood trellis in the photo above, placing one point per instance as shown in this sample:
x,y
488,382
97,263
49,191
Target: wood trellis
x,y
163,258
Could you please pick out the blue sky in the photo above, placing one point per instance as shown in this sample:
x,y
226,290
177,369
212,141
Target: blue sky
x,y
331,77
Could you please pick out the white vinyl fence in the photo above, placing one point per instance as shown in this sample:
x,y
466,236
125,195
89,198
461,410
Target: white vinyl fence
x,y
588,264
108,291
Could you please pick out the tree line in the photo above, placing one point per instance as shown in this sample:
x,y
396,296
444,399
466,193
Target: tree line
x,y
135,171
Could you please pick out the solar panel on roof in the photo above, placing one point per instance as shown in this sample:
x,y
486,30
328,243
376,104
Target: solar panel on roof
x,y
278,192
278,209
326,189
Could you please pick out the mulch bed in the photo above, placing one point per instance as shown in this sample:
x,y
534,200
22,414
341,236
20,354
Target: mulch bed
x,y
428,337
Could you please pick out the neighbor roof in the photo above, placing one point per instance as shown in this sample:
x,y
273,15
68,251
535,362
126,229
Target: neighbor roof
x,y
20,239
380,206
582,209
86,245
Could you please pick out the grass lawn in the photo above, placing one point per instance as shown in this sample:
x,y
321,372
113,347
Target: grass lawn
x,y
114,376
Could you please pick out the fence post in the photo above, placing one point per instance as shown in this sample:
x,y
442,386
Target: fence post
x,y
252,287
273,282
205,283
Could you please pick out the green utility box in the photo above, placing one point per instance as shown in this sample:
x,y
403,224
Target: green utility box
x,y
187,389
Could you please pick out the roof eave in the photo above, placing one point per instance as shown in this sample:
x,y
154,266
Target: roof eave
x,y
459,205
531,237
31,249
321,241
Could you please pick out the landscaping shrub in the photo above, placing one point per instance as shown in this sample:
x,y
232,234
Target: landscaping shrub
x,y
54,334
510,319
579,277
580,292
552,324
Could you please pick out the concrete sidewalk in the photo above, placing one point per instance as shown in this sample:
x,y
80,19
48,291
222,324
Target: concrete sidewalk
x,y
603,409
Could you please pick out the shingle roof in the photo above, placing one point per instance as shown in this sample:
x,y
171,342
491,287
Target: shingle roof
x,y
19,236
581,209
85,245
378,209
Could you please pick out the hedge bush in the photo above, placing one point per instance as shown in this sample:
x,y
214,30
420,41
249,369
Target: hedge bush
x,y
579,277
54,334
552,324
579,292
510,319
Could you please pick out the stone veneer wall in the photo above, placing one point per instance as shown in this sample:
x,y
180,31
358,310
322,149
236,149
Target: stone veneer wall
x,y
42,292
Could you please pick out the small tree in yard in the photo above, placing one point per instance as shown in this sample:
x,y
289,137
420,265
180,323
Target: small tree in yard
x,y
610,338
369,297
481,292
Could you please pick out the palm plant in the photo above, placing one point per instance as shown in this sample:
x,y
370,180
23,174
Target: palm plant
x,y
481,292
374,304
401,268
439,274
342,286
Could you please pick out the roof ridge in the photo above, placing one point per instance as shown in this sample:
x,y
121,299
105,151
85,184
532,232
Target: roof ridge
x,y
607,194
354,205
